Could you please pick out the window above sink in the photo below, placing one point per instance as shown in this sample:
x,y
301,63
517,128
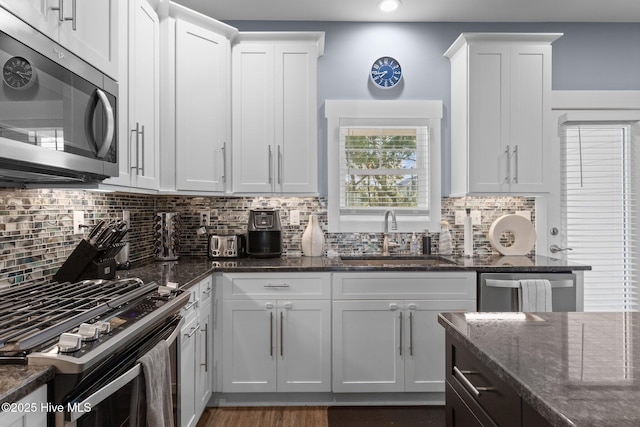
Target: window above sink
x,y
383,155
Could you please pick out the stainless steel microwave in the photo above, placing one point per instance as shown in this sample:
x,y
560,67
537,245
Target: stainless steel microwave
x,y
58,114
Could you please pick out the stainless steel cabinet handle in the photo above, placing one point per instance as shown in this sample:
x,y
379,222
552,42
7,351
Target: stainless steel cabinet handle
x,y
281,334
193,331
224,161
191,304
60,10
284,285
137,132
206,348
460,375
508,155
142,163
63,18
207,291
270,165
271,333
410,333
279,166
515,153
401,343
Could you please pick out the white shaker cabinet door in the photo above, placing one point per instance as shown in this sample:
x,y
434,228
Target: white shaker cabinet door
x,y
91,32
304,346
249,353
253,118
367,353
296,168
424,343
202,86
36,13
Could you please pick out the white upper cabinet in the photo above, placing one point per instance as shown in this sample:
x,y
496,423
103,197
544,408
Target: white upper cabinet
x,y
196,86
500,113
139,164
274,93
202,102
88,28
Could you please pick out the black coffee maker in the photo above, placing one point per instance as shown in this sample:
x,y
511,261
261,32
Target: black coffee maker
x,y
264,234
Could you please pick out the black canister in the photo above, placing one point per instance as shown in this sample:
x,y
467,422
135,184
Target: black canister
x,y
426,245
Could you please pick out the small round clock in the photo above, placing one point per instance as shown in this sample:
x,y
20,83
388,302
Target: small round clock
x,y
18,73
386,72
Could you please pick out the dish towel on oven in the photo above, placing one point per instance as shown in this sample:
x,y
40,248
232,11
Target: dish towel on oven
x,y
535,295
156,367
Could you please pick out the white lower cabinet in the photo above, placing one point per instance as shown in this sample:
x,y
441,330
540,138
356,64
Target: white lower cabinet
x,y
273,340
195,379
38,418
386,337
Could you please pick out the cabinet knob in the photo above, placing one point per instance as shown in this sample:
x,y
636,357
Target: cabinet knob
x,y
288,305
268,305
413,306
393,306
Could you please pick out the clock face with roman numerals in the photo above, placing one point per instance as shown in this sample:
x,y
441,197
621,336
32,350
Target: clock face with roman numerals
x,y
18,73
386,72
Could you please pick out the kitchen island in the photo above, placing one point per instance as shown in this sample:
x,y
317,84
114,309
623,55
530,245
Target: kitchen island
x,y
565,369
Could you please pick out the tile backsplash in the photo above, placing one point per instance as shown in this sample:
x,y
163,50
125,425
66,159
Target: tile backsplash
x,y
36,226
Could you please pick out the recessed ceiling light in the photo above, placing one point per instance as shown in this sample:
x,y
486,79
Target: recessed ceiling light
x,y
389,5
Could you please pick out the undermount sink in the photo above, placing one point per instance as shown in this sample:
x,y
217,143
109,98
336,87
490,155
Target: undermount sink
x,y
394,260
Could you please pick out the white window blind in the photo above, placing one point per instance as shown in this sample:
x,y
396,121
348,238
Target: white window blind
x,y
598,209
384,167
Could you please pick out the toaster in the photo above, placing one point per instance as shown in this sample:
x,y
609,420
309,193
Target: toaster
x,y
230,246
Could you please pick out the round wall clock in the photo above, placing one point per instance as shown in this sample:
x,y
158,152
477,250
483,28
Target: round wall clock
x,y
386,72
18,73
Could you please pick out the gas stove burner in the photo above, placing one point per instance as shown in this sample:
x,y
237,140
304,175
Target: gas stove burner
x,y
33,314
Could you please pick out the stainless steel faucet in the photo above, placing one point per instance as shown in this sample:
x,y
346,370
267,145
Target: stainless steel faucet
x,y
394,226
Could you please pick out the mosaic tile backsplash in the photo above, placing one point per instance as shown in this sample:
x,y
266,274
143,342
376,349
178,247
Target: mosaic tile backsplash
x,y
36,226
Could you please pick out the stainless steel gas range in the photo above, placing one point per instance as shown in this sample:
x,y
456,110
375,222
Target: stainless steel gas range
x,y
93,332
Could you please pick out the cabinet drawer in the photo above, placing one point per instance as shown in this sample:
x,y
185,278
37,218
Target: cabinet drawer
x,y
478,385
389,285
280,285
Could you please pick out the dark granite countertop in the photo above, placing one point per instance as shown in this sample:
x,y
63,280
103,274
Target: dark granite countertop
x,y
189,270
17,381
576,369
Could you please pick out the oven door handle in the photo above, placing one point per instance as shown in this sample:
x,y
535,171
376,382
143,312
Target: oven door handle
x,y
115,385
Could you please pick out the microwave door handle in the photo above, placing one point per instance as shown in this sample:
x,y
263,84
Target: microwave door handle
x,y
107,141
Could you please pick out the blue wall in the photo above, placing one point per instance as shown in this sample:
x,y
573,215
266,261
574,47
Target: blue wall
x,y
589,56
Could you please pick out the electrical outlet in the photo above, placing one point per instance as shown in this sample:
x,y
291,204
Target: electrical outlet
x,y
205,219
78,219
526,214
476,218
460,217
294,217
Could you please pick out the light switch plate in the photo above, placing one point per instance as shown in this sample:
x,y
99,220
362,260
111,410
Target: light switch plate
x,y
294,217
126,217
78,220
460,217
526,214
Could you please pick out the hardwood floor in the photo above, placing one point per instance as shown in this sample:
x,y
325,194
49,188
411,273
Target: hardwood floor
x,y
287,416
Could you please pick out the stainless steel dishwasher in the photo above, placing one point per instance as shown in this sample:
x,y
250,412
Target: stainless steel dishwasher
x,y
499,291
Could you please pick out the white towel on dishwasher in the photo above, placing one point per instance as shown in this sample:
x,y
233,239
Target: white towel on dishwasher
x,y
535,295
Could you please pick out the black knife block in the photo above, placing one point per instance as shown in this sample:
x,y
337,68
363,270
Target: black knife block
x,y
88,262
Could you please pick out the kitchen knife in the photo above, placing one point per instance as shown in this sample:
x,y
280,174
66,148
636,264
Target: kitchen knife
x,y
91,238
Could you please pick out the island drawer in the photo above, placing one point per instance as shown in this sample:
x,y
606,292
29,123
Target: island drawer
x,y
457,285
276,285
479,387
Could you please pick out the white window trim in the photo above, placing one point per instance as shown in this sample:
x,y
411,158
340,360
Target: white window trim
x,y
421,112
